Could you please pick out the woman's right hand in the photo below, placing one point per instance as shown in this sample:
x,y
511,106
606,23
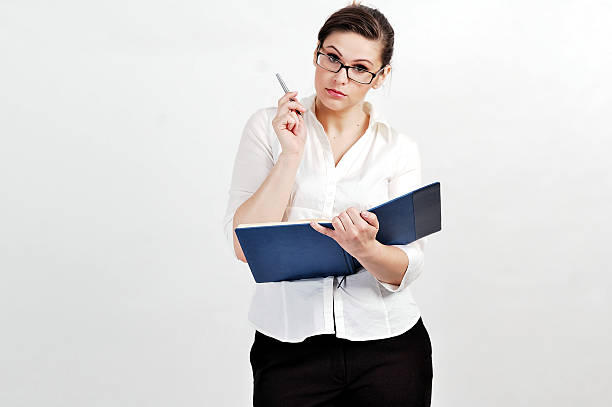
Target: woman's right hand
x,y
289,126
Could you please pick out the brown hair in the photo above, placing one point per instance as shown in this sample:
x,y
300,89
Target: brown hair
x,y
363,20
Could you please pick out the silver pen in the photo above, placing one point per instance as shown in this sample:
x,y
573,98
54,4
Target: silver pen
x,y
286,89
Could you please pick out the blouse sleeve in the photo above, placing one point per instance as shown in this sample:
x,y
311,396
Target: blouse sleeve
x,y
407,178
252,164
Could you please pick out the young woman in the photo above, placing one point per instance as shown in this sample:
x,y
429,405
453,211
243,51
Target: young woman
x,y
359,341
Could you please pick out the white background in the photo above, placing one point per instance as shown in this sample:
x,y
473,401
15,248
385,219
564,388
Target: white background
x,y
119,123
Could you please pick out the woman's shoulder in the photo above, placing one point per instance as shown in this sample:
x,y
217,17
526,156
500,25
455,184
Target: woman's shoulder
x,y
259,124
258,128
261,116
403,149
397,137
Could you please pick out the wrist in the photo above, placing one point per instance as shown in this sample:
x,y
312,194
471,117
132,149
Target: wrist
x,y
290,156
289,161
372,251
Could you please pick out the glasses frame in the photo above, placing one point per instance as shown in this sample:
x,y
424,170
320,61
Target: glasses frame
x,y
346,67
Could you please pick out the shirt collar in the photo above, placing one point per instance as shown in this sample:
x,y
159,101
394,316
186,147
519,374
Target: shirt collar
x,y
375,115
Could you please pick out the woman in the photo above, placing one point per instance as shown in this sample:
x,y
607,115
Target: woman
x,y
359,341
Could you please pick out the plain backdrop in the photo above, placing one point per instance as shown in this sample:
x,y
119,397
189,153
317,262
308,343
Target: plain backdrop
x,y
119,124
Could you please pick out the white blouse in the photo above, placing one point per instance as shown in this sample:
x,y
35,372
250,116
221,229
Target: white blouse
x,y
381,165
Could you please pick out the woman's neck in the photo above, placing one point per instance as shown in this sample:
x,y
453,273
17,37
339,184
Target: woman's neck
x,y
344,123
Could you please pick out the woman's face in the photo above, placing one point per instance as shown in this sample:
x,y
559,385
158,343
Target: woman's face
x,y
351,49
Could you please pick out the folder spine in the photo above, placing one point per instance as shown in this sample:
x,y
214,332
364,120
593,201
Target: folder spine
x,y
427,210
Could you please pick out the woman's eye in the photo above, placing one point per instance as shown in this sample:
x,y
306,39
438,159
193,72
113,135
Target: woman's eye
x,y
334,58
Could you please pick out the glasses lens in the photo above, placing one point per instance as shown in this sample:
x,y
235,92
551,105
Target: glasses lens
x,y
328,63
360,75
332,64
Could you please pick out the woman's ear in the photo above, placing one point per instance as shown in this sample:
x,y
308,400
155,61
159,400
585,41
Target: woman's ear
x,y
380,78
314,55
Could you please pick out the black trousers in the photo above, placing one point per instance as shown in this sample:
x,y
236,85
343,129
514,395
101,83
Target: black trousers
x,y
327,371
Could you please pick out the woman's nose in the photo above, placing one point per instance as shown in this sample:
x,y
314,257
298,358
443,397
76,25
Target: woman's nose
x,y
341,76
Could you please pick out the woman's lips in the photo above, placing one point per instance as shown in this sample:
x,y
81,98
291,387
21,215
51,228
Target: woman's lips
x,y
335,94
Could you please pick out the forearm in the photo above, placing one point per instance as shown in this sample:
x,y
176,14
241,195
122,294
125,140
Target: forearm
x,y
386,263
269,202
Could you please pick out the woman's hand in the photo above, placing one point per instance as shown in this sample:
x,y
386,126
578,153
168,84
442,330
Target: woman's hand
x,y
289,126
354,231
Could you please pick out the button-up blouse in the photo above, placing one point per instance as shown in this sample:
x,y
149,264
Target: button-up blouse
x,y
381,165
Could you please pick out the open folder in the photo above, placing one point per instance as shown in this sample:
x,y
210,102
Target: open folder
x,y
283,251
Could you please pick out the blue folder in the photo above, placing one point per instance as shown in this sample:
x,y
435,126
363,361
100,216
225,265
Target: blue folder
x,y
288,251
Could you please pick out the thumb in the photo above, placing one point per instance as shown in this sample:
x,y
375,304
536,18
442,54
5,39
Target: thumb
x,y
370,218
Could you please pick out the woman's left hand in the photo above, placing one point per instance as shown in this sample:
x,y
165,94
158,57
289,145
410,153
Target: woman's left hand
x,y
354,231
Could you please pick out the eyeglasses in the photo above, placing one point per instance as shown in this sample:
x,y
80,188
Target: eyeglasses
x,y
360,74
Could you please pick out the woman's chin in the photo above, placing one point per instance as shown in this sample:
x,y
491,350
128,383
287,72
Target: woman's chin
x,y
330,101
